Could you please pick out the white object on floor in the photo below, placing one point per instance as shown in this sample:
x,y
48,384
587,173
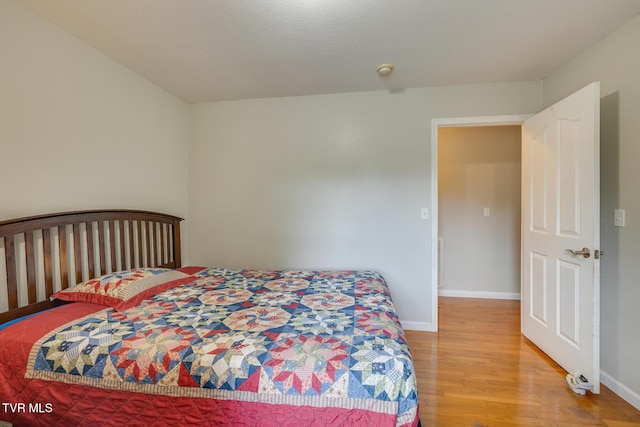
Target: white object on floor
x,y
578,383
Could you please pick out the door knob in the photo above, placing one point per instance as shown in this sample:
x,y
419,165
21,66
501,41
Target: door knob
x,y
584,252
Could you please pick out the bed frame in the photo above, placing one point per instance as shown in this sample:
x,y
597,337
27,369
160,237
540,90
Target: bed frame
x,y
42,254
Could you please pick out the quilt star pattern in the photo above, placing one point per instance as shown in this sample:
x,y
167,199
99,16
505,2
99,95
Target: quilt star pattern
x,y
311,338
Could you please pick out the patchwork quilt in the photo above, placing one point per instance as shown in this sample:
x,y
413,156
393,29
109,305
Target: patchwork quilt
x,y
232,347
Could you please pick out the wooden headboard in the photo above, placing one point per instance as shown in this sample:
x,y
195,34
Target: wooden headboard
x,y
42,254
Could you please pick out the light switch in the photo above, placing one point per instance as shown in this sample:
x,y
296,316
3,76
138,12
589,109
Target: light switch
x,y
424,213
487,211
618,217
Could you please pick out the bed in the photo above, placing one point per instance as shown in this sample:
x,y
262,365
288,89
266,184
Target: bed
x,y
100,324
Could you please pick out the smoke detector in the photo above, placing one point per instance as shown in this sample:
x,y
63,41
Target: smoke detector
x,y
385,70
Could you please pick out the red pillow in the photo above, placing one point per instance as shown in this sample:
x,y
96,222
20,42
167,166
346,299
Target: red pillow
x,y
124,289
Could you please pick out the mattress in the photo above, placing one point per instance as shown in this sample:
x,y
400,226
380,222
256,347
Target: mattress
x,y
230,347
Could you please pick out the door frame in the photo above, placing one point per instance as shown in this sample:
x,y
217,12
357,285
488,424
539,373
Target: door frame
x,y
436,124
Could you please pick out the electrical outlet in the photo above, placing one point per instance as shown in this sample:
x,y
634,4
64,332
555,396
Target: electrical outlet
x,y
424,213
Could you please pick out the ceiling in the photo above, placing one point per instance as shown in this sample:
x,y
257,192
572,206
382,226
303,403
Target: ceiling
x,y
211,50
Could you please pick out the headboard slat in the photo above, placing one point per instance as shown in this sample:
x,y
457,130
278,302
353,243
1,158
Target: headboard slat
x,y
47,262
147,242
90,250
154,227
132,254
136,239
121,236
171,245
12,274
139,240
112,245
177,253
77,251
102,248
64,261
163,254
30,251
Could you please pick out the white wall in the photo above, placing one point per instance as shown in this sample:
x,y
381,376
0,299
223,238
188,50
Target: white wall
x,y
332,181
478,168
78,130
615,62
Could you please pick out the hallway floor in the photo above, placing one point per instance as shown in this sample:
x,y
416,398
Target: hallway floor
x,y
478,370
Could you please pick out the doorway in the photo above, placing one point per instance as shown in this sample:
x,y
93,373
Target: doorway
x,y
436,125
479,198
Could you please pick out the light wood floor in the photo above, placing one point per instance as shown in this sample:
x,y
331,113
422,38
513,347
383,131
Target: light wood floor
x,y
479,371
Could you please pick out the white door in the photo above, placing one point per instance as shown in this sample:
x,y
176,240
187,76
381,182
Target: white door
x,y
560,213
